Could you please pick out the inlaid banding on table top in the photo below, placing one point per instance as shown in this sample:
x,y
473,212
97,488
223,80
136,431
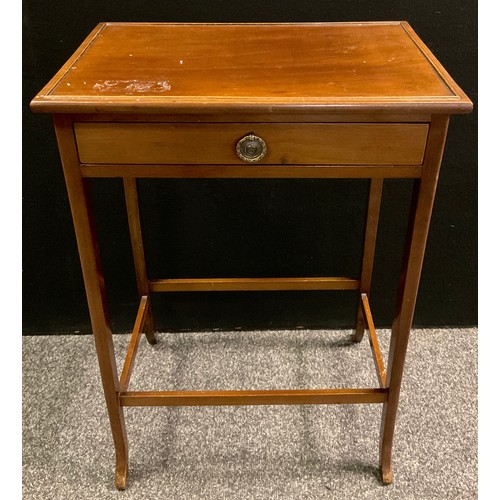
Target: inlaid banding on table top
x,y
252,65
253,61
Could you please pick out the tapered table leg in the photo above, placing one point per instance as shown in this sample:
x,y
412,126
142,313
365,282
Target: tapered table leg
x,y
423,199
79,199
372,217
134,223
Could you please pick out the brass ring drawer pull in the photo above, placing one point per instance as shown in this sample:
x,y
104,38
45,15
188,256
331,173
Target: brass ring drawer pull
x,y
251,148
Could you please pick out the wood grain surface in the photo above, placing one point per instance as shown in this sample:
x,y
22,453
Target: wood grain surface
x,y
287,143
150,66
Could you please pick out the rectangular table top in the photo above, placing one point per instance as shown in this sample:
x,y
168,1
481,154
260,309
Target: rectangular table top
x,y
332,67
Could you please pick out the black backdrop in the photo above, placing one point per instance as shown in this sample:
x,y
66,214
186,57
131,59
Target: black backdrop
x,y
202,228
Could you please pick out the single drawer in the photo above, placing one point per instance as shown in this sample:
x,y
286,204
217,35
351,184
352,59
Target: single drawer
x,y
282,143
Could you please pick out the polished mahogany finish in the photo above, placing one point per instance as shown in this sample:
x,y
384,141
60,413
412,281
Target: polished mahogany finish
x,y
320,100
152,67
287,143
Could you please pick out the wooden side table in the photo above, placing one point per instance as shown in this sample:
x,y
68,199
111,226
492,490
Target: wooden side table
x,y
321,100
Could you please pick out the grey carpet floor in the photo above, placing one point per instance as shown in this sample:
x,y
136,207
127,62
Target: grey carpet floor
x,y
261,452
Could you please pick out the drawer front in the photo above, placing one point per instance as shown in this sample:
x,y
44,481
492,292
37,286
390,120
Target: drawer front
x,y
285,143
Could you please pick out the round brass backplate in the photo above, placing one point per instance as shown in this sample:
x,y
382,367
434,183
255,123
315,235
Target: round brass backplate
x,y
251,148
